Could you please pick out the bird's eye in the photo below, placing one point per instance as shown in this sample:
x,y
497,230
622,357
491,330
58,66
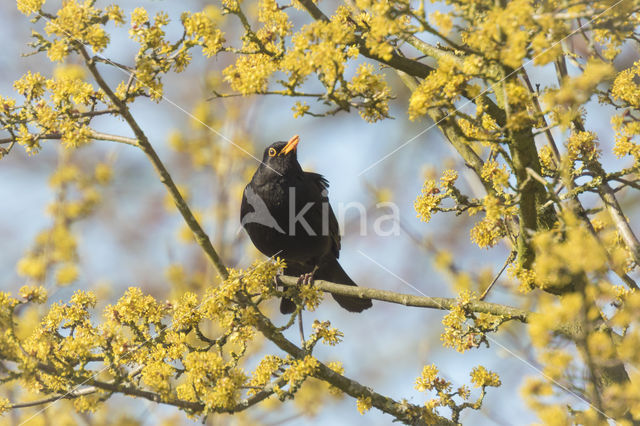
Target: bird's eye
x,y
272,152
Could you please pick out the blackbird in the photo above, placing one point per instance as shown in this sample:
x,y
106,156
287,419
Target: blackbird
x,y
286,213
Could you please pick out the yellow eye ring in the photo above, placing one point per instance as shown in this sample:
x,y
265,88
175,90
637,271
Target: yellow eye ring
x,y
272,152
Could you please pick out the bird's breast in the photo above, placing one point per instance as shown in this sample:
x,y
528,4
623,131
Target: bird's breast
x,y
284,223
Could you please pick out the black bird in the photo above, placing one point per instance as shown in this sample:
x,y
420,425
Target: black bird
x,y
286,213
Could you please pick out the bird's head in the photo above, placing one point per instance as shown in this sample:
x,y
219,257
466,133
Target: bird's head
x,y
281,157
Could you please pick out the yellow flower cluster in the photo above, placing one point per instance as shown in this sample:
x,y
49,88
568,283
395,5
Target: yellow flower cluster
x,y
625,88
5,405
310,295
329,335
34,294
28,7
430,381
433,194
250,74
212,380
383,24
363,404
79,22
443,86
56,247
488,232
374,92
575,91
166,339
463,329
266,369
54,105
481,377
496,174
300,369
562,255
442,20
202,30
583,146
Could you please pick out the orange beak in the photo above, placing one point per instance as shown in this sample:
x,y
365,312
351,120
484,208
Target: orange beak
x,y
291,145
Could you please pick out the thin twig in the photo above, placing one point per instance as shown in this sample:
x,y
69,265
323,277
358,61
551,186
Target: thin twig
x,y
510,259
547,129
71,395
301,328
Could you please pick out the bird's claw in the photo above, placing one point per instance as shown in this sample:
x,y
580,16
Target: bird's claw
x,y
305,279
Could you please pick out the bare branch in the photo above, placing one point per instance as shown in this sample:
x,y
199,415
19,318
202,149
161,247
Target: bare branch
x,y
443,303
94,135
620,220
70,395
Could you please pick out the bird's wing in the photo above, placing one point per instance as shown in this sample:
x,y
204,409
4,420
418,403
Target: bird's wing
x,y
260,214
318,179
245,207
334,230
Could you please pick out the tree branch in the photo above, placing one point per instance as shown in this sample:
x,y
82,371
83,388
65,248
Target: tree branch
x,y
443,303
405,412
131,390
70,395
143,142
114,138
620,220
94,135
411,67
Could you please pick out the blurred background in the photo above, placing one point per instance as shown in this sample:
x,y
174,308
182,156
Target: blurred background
x,y
135,239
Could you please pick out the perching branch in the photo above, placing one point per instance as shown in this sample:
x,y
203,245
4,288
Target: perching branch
x,y
443,303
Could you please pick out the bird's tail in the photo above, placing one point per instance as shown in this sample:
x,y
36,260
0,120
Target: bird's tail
x,y
332,271
287,306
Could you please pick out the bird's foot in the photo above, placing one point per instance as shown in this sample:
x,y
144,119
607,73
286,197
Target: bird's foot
x,y
305,279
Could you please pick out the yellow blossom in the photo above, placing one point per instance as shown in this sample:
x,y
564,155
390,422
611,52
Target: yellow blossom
x,y
329,336
66,274
443,21
364,404
34,294
5,405
28,7
481,377
32,266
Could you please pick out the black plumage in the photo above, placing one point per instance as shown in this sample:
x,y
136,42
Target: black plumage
x,y
286,213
